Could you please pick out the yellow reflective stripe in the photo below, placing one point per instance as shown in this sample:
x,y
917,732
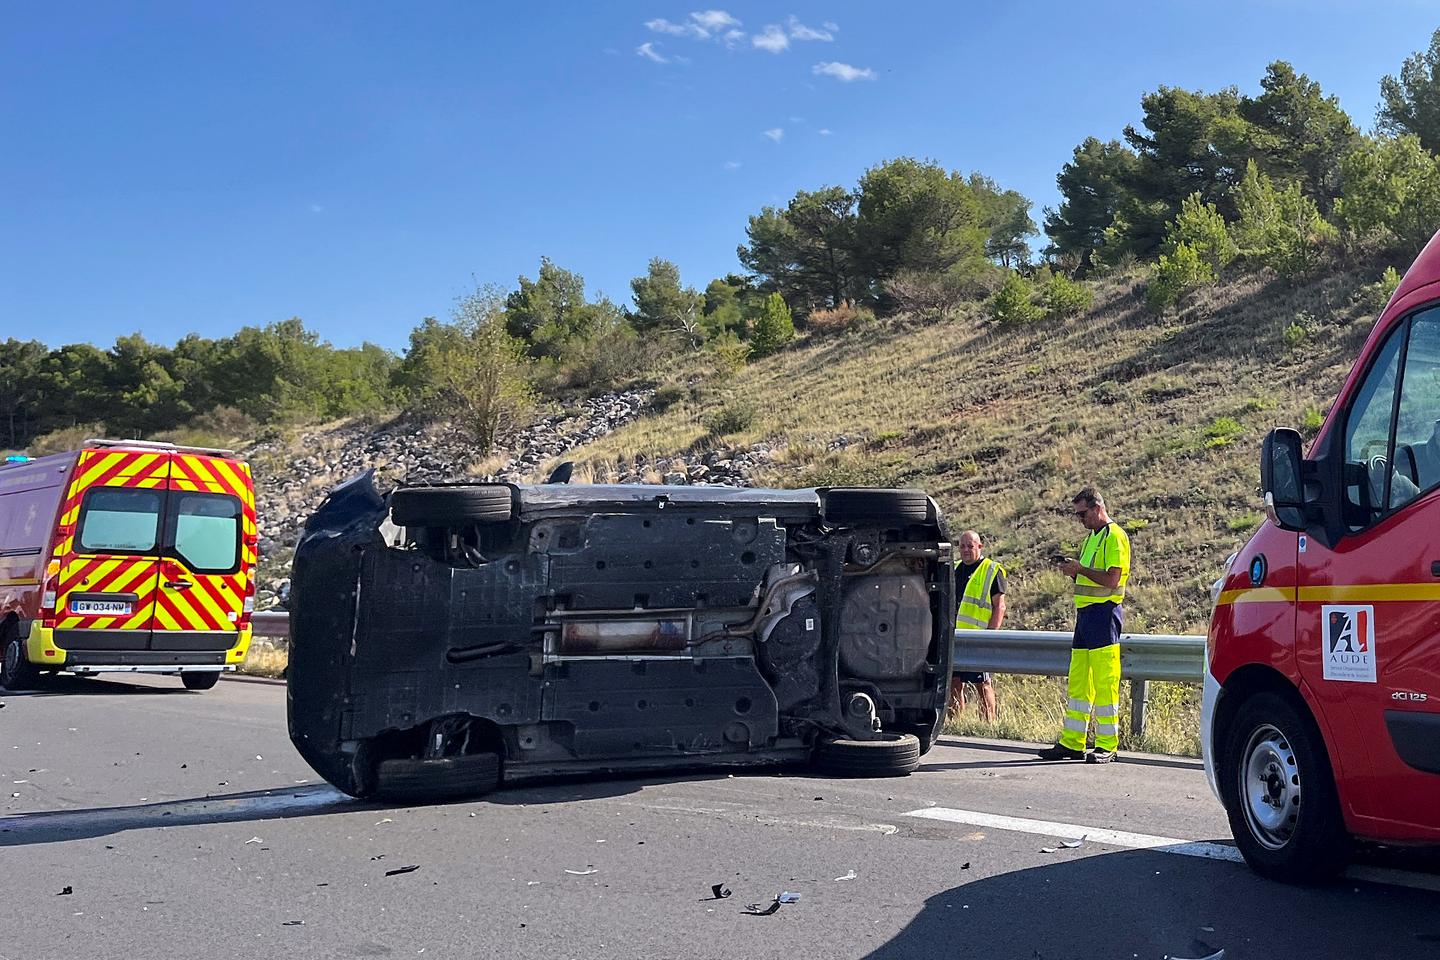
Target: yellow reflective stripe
x,y
1257,595
1088,590
963,622
1337,593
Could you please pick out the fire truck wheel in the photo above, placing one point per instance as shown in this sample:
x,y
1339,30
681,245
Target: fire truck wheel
x,y
16,673
1280,794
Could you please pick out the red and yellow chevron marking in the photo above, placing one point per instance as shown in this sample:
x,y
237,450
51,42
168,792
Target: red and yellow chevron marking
x,y
211,599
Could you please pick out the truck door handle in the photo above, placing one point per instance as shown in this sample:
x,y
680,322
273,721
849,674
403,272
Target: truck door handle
x,y
178,584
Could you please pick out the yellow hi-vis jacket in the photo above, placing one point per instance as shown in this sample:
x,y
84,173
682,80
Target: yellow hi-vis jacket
x,y
973,613
1104,548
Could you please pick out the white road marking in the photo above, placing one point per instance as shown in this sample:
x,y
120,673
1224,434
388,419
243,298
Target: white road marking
x,y
1144,841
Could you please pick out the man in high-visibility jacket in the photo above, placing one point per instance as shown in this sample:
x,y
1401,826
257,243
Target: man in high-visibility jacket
x,y
1100,576
980,585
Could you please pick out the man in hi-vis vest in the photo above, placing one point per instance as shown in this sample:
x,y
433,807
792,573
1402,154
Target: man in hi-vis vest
x,y
1100,576
980,586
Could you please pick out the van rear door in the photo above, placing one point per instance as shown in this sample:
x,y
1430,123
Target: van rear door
x,y
107,546
208,545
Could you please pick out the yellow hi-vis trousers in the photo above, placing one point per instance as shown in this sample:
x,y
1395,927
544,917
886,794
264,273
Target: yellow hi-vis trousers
x,y
1094,682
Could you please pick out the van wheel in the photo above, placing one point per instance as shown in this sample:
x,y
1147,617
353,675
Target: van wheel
x,y
1280,795
16,673
200,679
861,504
437,778
892,755
451,506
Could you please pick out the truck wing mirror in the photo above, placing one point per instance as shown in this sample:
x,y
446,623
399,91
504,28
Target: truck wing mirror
x,y
1282,480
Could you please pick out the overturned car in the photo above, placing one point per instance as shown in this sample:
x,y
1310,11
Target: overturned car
x,y
444,637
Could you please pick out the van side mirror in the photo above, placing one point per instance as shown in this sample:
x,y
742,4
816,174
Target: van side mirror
x,y
1281,479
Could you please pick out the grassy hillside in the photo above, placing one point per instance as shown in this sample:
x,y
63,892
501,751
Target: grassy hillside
x,y
1165,415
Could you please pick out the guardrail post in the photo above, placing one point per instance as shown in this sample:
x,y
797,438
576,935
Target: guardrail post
x,y
1139,701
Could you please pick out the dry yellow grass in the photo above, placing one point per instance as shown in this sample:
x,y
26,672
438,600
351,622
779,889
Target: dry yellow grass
x,y
265,659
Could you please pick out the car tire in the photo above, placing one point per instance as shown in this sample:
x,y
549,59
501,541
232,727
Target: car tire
x,y
16,673
1279,793
200,679
891,755
436,779
845,505
450,506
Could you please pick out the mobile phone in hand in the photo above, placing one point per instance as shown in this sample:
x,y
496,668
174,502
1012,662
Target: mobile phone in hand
x,y
1059,558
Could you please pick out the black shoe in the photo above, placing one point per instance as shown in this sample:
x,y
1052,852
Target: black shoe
x,y
1060,752
1100,756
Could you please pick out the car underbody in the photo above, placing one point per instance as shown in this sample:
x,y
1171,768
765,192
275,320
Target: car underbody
x,y
442,635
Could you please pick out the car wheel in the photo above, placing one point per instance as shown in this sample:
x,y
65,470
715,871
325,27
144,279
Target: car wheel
x,y
892,755
449,506
858,504
438,778
16,673
200,679
1280,795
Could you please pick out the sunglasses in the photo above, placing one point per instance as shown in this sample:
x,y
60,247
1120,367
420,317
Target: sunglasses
x,y
1080,514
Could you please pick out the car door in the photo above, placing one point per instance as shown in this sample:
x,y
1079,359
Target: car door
x,y
108,549
1368,607
203,576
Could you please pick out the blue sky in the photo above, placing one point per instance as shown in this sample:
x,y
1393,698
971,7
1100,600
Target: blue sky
x,y
173,168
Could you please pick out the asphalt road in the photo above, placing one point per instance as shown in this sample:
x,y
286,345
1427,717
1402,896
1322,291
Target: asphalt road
x,y
140,820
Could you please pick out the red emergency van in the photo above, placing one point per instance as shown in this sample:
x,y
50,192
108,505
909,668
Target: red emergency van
x,y
1321,719
126,556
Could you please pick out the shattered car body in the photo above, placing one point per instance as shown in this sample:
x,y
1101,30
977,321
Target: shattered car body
x,y
445,634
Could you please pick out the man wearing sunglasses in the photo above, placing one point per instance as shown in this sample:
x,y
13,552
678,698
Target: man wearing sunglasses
x,y
1100,576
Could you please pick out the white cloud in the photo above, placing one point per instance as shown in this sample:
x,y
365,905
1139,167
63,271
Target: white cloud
x,y
776,133
661,25
842,72
714,20
732,164
647,50
771,39
733,37
797,119
832,26
824,131
798,31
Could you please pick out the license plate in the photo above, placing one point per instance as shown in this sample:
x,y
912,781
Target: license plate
x,y
111,607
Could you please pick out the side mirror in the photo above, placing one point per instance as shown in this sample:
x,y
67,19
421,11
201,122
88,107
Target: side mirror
x,y
1281,480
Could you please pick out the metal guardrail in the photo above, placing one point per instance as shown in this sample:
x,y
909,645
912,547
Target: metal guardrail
x,y
270,623
1143,657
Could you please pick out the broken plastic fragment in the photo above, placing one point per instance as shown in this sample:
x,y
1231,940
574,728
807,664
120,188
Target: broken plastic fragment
x,y
386,820
1217,955
1072,844
759,910
399,870
1048,849
582,873
254,840
293,923
788,897
849,875
66,892
719,891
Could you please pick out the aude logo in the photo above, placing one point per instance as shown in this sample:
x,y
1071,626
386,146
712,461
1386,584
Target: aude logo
x,y
1349,642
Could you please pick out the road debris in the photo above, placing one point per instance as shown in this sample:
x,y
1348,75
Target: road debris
x,y
399,870
386,820
66,892
849,875
1072,844
788,898
582,873
718,891
254,840
759,910
965,865
293,923
1217,955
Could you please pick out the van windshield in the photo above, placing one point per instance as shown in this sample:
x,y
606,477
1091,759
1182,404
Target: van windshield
x,y
115,520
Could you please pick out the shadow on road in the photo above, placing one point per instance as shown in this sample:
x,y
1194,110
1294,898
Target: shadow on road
x,y
58,826
73,686
1180,763
1141,903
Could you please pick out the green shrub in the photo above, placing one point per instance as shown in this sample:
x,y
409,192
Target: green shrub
x,y
1373,297
1280,228
1014,303
728,353
1294,335
1312,420
1176,275
773,329
1223,431
1244,523
733,417
667,396
1199,226
1062,297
